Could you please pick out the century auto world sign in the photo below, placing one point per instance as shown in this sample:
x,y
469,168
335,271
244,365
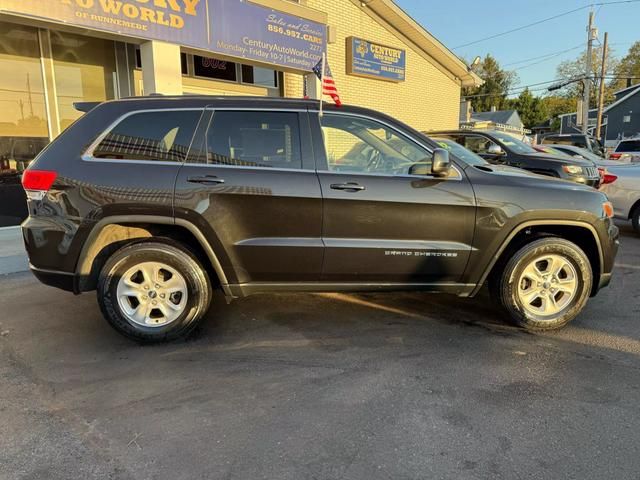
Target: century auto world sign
x,y
237,28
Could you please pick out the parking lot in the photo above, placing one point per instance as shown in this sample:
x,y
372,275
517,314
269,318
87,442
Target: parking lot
x,y
328,386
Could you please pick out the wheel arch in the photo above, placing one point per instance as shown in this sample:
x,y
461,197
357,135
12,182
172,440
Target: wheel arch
x,y
111,233
524,233
633,209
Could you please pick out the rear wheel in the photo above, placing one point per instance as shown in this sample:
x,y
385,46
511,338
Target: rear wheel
x,y
545,284
153,292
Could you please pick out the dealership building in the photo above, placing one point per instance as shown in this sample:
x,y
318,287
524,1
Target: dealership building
x,y
54,53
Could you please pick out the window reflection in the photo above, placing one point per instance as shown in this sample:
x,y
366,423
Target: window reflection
x,y
84,72
23,124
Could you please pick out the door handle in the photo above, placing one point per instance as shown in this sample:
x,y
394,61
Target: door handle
x,y
349,187
206,180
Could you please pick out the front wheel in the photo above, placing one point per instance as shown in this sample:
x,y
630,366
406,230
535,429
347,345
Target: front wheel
x,y
153,292
545,284
635,219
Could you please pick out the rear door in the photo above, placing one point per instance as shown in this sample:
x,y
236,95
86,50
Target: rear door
x,y
382,223
250,186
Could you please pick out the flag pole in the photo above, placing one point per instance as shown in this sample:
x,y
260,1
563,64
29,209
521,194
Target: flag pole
x,y
322,82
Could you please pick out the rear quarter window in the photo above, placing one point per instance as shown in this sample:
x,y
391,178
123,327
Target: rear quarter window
x,y
628,146
153,136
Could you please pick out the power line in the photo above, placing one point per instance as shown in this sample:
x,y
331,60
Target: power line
x,y
520,89
545,20
545,59
544,56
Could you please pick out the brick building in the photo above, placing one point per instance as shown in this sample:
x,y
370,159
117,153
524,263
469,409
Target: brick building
x,y
64,51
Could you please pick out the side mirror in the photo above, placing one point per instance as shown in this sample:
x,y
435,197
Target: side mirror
x,y
495,150
441,163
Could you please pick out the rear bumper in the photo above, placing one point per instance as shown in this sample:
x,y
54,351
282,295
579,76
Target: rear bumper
x,y
55,278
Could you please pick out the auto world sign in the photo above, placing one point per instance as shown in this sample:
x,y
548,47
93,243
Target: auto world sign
x,y
236,28
373,60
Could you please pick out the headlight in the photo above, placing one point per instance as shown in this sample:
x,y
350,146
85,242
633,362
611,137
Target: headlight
x,y
573,169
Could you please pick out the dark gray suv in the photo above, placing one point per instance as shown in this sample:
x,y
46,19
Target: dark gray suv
x,y
154,202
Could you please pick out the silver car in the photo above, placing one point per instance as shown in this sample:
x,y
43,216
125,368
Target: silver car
x,y
622,186
627,150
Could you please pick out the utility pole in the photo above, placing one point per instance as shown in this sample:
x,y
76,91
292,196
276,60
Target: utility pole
x,y
588,75
603,72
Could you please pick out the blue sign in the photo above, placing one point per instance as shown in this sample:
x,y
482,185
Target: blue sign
x,y
235,28
373,60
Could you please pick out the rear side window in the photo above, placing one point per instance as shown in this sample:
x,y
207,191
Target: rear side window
x,y
254,139
157,136
629,146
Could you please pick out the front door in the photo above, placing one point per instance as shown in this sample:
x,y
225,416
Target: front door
x,y
251,188
386,219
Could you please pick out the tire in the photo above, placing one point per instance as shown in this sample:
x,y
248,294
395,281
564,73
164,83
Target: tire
x,y
126,293
526,284
635,219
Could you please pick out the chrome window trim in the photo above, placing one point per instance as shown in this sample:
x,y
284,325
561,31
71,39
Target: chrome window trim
x,y
248,167
87,156
458,177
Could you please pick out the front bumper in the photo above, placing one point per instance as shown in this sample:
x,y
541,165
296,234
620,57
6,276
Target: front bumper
x,y
609,245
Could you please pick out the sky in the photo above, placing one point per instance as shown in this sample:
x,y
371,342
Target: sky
x,y
457,22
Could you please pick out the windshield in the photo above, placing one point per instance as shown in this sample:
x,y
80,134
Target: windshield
x,y
513,143
459,151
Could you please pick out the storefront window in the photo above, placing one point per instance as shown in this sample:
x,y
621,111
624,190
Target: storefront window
x,y
84,72
264,77
23,119
23,125
214,68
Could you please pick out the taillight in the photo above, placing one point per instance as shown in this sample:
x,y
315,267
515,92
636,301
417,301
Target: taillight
x,y
37,182
606,177
615,156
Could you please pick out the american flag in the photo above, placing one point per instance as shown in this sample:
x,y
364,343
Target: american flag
x,y
328,85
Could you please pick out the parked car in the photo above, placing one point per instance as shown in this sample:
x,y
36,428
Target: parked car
x,y
576,139
627,150
601,163
15,155
503,149
155,201
623,190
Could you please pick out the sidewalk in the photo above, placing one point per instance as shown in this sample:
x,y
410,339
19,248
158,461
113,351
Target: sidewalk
x,y
13,258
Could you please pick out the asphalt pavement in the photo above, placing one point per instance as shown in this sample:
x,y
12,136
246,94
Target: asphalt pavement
x,y
332,386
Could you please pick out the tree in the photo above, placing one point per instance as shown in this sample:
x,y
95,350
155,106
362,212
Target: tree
x,y
494,91
531,109
556,105
629,66
576,68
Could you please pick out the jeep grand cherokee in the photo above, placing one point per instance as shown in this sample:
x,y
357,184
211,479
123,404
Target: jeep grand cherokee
x,y
153,202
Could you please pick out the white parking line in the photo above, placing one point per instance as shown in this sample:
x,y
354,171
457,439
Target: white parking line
x,y
624,265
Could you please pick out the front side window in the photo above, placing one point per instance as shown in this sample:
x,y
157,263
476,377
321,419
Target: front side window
x,y
362,145
157,136
254,139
